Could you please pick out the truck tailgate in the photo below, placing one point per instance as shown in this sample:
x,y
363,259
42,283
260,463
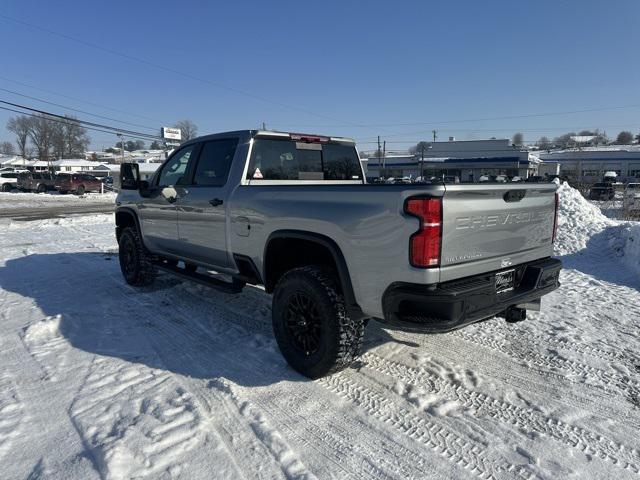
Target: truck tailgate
x,y
495,226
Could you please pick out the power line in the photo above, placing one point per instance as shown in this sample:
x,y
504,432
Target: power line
x,y
59,121
77,110
129,133
174,71
69,97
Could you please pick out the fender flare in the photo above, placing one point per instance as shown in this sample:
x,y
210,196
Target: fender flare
x,y
326,242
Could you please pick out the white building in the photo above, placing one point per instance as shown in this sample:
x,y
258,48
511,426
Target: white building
x,y
589,164
468,160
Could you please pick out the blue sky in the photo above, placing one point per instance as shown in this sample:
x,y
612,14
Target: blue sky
x,y
362,69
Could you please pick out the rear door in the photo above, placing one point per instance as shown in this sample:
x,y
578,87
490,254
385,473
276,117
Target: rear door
x,y
201,205
488,227
157,210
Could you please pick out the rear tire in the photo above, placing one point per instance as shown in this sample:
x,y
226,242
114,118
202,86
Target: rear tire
x,y
311,324
6,187
80,190
136,263
42,188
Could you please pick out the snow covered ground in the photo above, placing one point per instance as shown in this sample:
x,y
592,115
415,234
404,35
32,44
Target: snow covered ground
x,y
100,380
15,199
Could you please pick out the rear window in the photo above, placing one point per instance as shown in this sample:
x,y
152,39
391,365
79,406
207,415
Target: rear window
x,y
9,175
289,160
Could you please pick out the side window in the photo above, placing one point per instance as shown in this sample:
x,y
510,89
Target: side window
x,y
214,162
175,170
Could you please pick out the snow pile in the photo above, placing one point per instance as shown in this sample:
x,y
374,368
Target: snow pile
x,y
10,200
578,221
630,236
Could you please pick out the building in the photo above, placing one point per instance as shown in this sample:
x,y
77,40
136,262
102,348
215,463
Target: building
x,y
467,160
589,164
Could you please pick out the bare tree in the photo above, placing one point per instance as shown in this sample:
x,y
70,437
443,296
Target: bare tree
x,y
42,132
418,147
6,148
69,139
188,128
19,126
624,138
155,145
518,139
544,143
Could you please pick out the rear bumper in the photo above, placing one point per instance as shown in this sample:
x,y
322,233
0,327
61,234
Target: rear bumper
x,y
450,305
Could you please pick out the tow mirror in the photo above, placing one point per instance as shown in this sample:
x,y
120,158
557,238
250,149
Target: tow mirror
x,y
129,176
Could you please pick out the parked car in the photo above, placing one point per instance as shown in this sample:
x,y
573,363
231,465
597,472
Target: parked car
x,y
36,182
631,198
333,250
8,181
77,183
602,191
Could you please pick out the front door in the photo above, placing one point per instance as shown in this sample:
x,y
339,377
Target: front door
x,y
158,214
202,207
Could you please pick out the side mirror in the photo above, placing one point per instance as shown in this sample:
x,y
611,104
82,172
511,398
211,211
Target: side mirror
x,y
129,176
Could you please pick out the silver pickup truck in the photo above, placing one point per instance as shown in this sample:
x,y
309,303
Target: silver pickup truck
x,y
293,212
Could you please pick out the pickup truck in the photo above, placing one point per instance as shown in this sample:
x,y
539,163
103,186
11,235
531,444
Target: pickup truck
x,y
293,213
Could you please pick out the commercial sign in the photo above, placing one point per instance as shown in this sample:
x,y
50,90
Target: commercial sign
x,y
170,133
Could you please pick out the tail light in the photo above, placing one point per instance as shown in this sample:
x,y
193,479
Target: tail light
x,y
555,219
424,245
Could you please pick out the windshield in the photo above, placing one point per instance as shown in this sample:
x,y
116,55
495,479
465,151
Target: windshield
x,y
289,160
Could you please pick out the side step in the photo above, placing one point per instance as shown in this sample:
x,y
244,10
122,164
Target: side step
x,y
232,287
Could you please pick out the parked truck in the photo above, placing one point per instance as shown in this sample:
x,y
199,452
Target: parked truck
x,y
293,213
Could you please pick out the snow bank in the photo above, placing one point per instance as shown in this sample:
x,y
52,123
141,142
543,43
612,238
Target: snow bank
x,y
578,221
11,200
630,237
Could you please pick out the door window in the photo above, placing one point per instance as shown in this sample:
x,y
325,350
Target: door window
x,y
214,162
174,172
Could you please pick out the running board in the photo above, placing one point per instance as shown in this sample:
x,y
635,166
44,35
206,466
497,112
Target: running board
x,y
235,286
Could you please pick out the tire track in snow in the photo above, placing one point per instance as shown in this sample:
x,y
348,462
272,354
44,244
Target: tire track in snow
x,y
523,352
357,459
584,440
440,438
11,414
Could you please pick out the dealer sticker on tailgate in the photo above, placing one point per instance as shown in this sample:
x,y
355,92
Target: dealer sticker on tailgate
x,y
505,281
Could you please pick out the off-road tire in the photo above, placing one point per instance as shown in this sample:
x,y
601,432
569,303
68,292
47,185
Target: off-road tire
x,y
136,263
340,336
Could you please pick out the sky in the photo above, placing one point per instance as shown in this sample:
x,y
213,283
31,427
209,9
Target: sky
x,y
399,69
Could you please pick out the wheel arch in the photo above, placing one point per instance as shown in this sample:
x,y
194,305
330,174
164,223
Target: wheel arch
x,y
324,249
126,217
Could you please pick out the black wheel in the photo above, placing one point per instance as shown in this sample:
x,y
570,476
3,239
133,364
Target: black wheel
x,y
311,324
6,187
42,188
80,190
136,263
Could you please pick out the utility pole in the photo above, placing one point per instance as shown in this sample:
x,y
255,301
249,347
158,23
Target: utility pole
x,y
384,154
434,134
378,154
121,146
422,164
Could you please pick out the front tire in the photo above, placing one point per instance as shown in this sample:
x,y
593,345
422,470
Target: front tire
x,y
6,187
136,263
80,190
311,325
